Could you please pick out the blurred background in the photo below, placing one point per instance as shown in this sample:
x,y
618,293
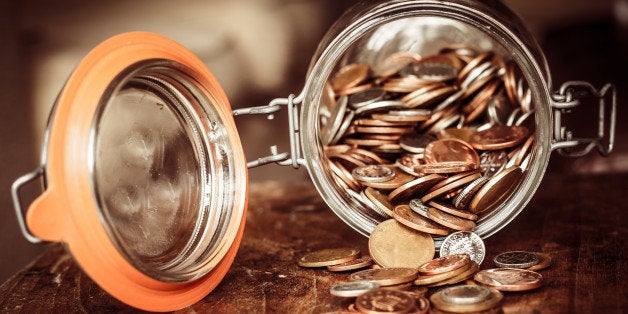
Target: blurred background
x,y
258,50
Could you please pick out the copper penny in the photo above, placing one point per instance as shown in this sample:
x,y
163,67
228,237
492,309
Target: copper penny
x,y
367,142
450,221
394,62
453,178
495,190
454,211
423,280
421,305
358,263
354,89
386,276
450,149
345,176
383,129
328,257
398,180
414,187
499,137
473,268
509,279
349,76
393,245
385,301
463,134
377,121
380,200
404,215
444,264
449,187
447,167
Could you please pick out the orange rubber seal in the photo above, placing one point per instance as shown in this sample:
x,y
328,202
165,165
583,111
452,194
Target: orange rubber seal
x,y
67,211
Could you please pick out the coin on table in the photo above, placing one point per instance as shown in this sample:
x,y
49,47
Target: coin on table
x,y
349,76
353,289
424,280
450,149
499,137
404,215
491,301
444,264
464,242
516,259
414,187
546,261
468,273
386,276
465,294
385,301
393,245
328,257
450,221
509,279
495,190
358,263
373,173
454,211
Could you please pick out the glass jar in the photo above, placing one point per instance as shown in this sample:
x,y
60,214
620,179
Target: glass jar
x,y
141,122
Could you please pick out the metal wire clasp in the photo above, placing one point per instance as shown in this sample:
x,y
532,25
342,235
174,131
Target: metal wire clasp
x,y
294,157
568,97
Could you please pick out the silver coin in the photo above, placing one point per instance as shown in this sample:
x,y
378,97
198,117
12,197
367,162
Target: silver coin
x,y
491,162
353,289
475,74
372,206
365,97
410,112
344,126
449,100
464,242
337,115
466,195
416,143
437,72
513,117
516,259
499,109
418,207
379,106
465,294
409,170
373,173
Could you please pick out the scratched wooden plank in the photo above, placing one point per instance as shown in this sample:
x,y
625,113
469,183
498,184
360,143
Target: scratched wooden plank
x,y
580,220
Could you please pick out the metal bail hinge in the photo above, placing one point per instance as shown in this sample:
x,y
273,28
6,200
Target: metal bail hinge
x,y
569,96
294,157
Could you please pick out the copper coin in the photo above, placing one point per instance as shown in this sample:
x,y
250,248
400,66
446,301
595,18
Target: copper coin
x,y
495,190
416,143
452,179
344,175
383,129
499,137
400,287
393,245
447,167
449,187
328,257
362,262
414,187
421,305
444,264
394,62
346,160
423,280
354,89
516,259
473,268
465,196
454,211
365,155
398,180
380,200
404,215
367,142
545,261
408,163
386,276
329,130
491,301
463,134
430,97
385,137
349,76
509,279
385,301
450,221
378,121
450,149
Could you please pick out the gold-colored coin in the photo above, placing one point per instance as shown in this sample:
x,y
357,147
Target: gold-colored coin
x,y
404,215
546,261
499,137
414,187
328,257
424,280
380,200
450,221
349,76
386,276
393,245
495,190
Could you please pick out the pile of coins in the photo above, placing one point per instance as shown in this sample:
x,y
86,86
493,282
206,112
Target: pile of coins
x,y
462,287
431,141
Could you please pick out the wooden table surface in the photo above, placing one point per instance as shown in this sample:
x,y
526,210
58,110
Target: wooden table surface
x,y
580,220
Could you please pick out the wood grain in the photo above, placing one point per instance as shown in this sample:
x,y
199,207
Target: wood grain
x,y
579,220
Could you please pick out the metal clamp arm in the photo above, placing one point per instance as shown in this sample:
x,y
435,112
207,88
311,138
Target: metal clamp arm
x,y
17,205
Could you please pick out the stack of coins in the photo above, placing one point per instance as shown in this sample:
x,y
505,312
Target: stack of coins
x,y
430,141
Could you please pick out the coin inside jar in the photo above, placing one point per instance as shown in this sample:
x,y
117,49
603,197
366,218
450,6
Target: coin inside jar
x,y
349,76
499,137
450,149
373,173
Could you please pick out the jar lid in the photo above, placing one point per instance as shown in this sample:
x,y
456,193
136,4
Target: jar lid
x,y
146,176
